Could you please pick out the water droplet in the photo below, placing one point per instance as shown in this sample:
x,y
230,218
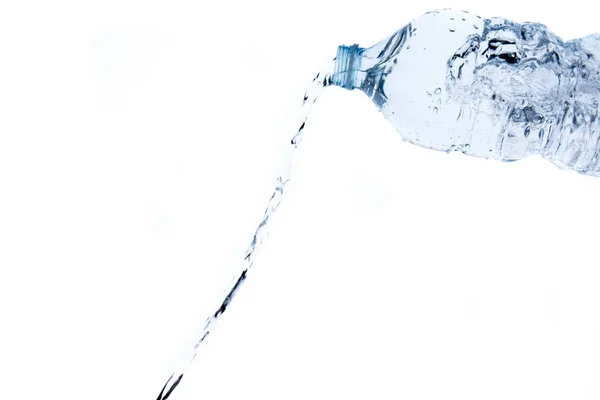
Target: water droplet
x,y
435,110
541,134
527,132
452,30
517,115
475,26
408,47
428,94
438,91
538,119
466,147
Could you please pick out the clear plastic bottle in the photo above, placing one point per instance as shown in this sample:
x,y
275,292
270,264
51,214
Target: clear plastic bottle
x,y
491,88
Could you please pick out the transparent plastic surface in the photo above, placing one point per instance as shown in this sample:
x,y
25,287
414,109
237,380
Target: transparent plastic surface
x,y
490,88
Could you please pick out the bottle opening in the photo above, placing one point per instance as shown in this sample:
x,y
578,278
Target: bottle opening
x,y
347,66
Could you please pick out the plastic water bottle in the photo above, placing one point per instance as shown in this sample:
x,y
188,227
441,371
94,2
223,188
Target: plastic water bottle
x,y
491,88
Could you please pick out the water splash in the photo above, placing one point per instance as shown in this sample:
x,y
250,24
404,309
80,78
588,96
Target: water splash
x,y
318,85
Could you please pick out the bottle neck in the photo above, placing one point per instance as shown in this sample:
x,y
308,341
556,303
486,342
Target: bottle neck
x,y
347,72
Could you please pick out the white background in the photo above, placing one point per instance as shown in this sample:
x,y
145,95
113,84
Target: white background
x,y
138,141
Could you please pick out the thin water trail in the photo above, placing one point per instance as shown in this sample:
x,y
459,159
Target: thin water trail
x,y
316,88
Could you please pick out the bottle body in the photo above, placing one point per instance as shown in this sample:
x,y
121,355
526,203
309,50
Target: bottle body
x,y
452,81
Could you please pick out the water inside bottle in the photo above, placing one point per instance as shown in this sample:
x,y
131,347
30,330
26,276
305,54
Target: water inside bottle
x,y
490,88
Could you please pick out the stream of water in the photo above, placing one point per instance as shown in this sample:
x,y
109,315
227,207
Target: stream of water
x,y
316,88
